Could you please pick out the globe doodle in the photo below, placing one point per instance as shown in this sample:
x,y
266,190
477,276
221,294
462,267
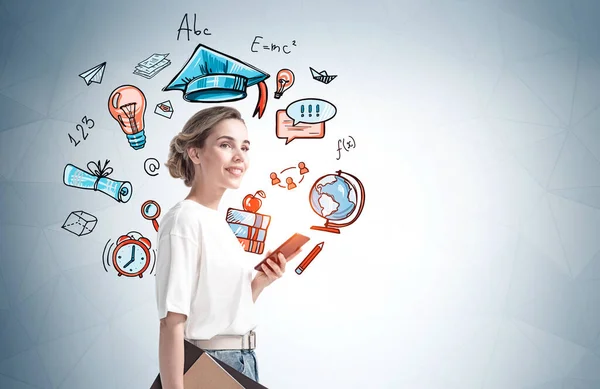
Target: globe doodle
x,y
336,198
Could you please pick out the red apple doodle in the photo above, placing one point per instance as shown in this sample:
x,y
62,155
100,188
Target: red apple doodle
x,y
251,203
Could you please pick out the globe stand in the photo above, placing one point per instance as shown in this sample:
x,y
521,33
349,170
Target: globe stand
x,y
326,228
329,225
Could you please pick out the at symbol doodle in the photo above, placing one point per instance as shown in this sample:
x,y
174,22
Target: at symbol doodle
x,y
151,166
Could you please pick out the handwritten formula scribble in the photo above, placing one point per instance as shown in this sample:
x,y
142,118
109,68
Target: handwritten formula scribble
x,y
272,47
345,145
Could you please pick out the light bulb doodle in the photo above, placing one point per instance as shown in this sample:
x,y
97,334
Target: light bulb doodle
x,y
96,178
285,80
151,211
131,257
127,105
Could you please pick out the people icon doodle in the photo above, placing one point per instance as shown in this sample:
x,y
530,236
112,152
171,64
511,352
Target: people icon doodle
x,y
303,168
274,179
291,181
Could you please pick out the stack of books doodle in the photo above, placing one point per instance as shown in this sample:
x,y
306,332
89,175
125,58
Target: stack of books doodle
x,y
250,228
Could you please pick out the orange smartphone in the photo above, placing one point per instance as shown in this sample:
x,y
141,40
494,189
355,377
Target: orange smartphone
x,y
288,248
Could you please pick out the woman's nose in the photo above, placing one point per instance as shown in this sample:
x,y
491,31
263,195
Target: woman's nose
x,y
238,156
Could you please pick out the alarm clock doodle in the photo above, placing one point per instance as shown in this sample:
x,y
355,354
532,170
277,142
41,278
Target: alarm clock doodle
x,y
130,256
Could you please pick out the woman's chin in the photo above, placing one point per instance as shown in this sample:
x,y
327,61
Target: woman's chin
x,y
234,184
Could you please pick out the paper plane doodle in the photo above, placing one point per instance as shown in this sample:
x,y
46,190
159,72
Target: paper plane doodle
x,y
150,67
321,76
164,109
94,74
210,76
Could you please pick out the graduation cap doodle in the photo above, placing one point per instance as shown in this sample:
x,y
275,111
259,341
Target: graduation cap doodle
x,y
210,76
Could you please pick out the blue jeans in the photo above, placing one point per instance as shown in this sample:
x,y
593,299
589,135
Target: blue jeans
x,y
243,361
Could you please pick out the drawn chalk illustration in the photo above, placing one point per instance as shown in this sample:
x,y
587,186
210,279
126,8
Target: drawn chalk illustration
x,y
249,226
196,31
80,223
346,145
94,74
151,166
285,80
291,181
321,76
311,113
127,105
89,123
270,46
285,129
338,198
164,109
309,258
210,76
151,211
96,178
130,256
152,65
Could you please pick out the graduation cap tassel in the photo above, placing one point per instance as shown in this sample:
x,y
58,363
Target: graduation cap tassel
x,y
261,105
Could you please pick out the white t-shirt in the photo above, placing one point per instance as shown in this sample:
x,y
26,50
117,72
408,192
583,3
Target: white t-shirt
x,y
201,273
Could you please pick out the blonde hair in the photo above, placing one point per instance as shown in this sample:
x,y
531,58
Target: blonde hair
x,y
194,134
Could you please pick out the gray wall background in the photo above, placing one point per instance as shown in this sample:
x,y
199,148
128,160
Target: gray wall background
x,y
476,262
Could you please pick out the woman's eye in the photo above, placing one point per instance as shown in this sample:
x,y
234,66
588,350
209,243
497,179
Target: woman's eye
x,y
226,144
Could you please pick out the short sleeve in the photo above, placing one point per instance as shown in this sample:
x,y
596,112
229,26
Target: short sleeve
x,y
177,267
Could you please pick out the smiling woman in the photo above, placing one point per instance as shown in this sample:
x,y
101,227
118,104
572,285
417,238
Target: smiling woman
x,y
205,291
192,144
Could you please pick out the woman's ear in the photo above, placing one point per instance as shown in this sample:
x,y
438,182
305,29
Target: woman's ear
x,y
193,155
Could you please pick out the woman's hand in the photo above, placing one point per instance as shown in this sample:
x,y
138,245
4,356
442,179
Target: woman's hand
x,y
271,271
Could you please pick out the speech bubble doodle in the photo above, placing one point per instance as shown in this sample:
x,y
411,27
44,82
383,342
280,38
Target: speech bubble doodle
x,y
311,111
284,129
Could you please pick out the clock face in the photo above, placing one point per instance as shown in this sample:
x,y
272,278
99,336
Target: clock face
x,y
131,257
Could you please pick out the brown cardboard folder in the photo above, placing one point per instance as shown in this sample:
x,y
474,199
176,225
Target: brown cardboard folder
x,y
201,371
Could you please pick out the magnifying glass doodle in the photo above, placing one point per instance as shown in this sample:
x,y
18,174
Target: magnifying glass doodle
x,y
151,211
